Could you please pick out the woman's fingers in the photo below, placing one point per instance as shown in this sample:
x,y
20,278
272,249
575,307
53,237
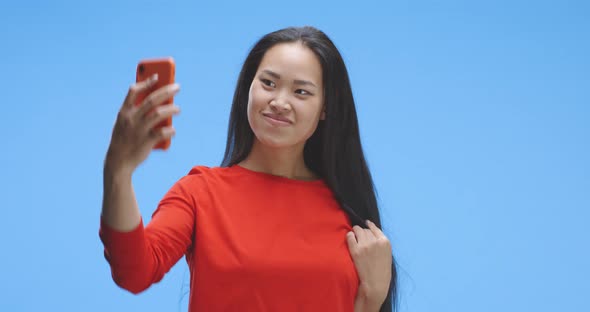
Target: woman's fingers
x,y
137,88
359,233
375,230
351,239
159,114
160,134
136,132
360,238
380,238
156,98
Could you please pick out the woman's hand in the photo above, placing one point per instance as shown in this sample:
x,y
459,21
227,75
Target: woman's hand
x,y
133,134
371,252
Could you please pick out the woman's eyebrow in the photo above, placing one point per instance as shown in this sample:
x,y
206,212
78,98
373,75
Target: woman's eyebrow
x,y
271,73
296,81
304,83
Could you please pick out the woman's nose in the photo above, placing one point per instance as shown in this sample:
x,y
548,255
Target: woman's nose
x,y
279,104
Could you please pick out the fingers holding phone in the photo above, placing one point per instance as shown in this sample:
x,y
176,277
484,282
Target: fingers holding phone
x,y
145,119
137,88
157,95
155,118
153,103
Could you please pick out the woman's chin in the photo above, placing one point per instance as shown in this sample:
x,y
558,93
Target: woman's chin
x,y
274,141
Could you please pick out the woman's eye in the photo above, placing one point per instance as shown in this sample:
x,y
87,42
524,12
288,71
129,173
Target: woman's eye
x,y
268,82
302,92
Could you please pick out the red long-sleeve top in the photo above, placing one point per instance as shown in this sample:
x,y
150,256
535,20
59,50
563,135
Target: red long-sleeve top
x,y
252,241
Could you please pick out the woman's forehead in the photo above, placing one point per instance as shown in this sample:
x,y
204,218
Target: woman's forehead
x,y
292,61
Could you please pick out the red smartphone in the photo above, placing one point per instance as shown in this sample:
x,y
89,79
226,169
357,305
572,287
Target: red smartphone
x,y
165,68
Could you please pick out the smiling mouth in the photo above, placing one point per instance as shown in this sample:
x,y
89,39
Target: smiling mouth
x,y
276,122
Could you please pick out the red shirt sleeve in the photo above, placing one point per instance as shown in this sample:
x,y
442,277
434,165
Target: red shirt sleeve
x,y
142,256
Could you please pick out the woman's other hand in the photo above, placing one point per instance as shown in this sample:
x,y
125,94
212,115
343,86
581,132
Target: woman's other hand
x,y
372,256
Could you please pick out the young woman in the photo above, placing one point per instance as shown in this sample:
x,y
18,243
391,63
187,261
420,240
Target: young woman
x,y
288,222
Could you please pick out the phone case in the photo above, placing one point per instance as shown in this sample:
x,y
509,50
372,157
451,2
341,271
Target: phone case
x,y
165,68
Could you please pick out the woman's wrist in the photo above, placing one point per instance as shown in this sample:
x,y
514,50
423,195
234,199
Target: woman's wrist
x,y
367,300
365,305
114,170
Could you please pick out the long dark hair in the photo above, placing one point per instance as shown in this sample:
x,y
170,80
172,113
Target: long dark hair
x,y
334,150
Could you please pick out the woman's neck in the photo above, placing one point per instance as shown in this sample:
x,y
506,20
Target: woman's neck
x,y
284,162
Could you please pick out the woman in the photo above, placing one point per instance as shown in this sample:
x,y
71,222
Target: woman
x,y
283,224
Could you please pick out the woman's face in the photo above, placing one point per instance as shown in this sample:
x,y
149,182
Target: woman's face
x,y
287,86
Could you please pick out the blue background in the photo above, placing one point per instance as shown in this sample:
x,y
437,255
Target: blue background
x,y
474,117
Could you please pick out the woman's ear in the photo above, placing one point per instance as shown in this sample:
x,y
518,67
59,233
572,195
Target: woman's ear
x,y
323,115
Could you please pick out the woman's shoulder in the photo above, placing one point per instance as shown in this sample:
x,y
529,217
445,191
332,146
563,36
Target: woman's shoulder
x,y
202,179
203,169
203,174
206,171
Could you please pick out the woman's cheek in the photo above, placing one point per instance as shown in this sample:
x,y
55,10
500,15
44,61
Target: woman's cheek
x,y
258,98
256,106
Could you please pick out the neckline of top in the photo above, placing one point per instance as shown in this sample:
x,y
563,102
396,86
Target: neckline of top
x,y
276,177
